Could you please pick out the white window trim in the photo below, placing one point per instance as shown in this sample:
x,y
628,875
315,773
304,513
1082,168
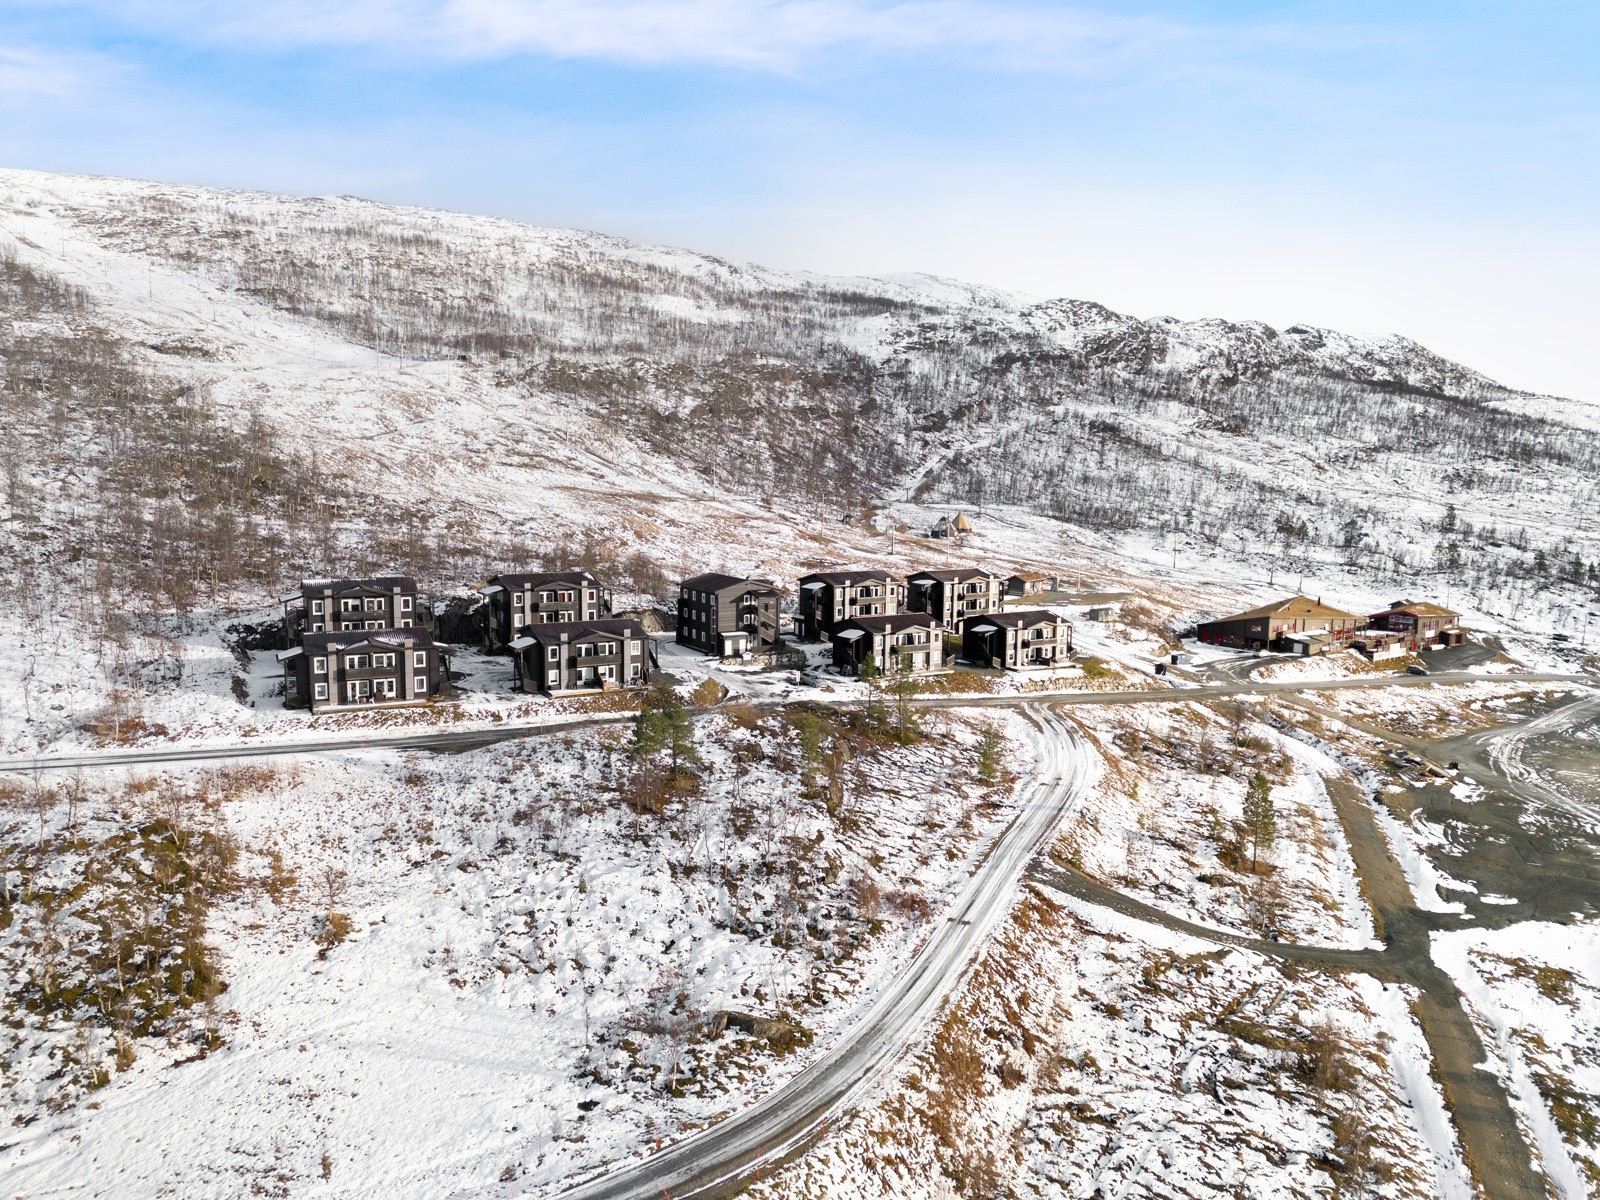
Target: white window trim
x,y
319,691
405,603
419,684
419,658
319,665
554,655
316,608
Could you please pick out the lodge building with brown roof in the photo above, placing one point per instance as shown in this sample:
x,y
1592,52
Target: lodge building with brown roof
x,y
1297,624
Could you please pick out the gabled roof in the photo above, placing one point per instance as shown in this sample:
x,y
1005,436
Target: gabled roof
x,y
847,578
888,623
522,579
376,583
1294,607
953,574
715,581
1031,576
349,639
1420,608
1026,618
549,632
959,521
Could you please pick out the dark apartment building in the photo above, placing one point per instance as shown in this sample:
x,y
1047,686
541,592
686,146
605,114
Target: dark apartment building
x,y
829,598
955,595
514,602
562,657
894,643
1015,641
362,669
726,615
343,605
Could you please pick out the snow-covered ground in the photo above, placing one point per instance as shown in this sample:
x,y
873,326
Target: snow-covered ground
x,y
524,966
1094,1055
1534,991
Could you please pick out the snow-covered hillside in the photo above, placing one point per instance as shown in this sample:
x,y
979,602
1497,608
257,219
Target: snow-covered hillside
x,y
417,388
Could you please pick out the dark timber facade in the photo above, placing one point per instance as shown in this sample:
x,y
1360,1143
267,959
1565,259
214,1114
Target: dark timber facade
x,y
727,616
1016,641
513,602
898,644
564,657
829,598
346,605
370,668
954,596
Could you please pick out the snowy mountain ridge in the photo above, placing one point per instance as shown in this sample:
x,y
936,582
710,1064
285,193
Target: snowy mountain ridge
x,y
678,385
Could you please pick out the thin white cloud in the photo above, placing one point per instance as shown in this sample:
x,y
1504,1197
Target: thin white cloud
x,y
31,73
762,34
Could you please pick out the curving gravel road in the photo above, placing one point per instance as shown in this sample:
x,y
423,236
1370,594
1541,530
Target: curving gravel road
x,y
718,1161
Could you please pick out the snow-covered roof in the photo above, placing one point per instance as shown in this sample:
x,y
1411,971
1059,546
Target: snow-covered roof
x,y
285,655
490,590
521,643
985,627
815,583
850,633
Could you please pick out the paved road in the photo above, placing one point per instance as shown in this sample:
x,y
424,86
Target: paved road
x,y
452,740
1488,1129
720,1160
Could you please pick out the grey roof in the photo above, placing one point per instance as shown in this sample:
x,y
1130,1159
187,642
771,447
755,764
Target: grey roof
x,y
715,581
889,622
552,631
1025,618
846,578
954,574
376,583
521,579
345,638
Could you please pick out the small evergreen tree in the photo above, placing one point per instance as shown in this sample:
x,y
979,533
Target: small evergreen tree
x,y
989,746
1260,821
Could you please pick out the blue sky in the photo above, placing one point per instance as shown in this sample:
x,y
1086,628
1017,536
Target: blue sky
x,y
1426,168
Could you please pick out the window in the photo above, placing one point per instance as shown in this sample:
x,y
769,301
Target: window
x,y
608,672
419,684
347,624
516,600
374,604
349,605
320,691
405,622
319,666
373,625
588,595
357,662
555,678
554,653
316,608
419,658
383,660
636,646
384,687
405,603
317,628
360,689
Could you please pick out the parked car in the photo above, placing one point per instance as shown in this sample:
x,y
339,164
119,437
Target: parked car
x,y
1416,669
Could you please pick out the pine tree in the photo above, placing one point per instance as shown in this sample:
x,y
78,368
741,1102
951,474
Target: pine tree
x,y
989,745
1260,821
